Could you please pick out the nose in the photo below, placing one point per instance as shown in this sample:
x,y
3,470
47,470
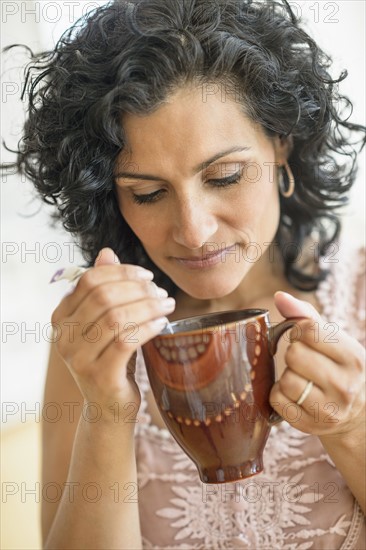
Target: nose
x,y
195,222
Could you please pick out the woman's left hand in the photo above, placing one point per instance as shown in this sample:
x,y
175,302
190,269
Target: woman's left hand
x,y
322,390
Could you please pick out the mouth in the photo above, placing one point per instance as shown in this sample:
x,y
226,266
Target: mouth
x,y
205,260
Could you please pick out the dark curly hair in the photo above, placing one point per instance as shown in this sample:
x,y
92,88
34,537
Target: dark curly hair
x,y
128,56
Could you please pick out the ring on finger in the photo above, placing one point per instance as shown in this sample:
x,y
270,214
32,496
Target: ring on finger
x,y
305,393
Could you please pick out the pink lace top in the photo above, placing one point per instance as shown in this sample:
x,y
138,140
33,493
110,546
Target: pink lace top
x,y
299,501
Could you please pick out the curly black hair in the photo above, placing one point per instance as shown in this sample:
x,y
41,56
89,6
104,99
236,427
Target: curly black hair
x,y
128,56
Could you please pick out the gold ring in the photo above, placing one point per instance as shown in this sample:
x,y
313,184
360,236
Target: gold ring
x,y
305,393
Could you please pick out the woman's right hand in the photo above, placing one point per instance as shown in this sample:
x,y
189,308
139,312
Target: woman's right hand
x,y
112,311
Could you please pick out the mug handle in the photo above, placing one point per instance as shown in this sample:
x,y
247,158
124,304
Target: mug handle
x,y
274,334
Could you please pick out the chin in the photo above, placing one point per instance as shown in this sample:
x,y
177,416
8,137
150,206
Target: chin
x,y
207,292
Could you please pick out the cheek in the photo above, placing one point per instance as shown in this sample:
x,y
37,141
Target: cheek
x,y
143,224
258,200
260,208
270,206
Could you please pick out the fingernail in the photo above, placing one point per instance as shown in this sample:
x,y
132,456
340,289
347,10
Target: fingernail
x,y
160,323
287,294
161,292
145,274
168,304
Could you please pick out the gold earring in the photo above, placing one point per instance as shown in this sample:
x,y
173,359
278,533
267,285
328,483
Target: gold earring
x,y
291,181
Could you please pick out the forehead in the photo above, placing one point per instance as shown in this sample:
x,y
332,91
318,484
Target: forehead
x,y
190,126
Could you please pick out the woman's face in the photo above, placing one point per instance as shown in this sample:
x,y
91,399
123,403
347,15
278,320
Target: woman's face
x,y
197,184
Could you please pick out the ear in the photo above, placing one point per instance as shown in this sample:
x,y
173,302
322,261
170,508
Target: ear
x,y
283,148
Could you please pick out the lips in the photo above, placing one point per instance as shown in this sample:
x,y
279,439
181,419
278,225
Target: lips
x,y
206,260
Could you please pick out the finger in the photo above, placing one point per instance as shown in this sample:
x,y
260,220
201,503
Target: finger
x,y
106,257
291,386
119,352
327,339
309,363
299,416
132,317
111,295
332,379
315,413
91,339
95,277
289,306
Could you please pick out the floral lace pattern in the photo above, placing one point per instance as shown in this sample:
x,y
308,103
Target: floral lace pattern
x,y
299,501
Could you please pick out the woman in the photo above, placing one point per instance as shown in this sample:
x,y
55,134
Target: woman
x,y
197,143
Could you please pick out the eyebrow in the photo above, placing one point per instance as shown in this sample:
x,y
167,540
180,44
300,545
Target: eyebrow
x,y
199,168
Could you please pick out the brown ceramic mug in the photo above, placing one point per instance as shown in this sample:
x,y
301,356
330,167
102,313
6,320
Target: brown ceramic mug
x,y
211,377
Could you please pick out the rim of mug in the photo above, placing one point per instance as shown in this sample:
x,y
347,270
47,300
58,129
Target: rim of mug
x,y
259,313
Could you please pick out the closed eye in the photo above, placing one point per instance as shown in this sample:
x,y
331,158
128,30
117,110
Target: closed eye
x,y
222,182
149,198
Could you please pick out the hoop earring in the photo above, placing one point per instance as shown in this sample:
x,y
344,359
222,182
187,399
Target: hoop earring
x,y
291,181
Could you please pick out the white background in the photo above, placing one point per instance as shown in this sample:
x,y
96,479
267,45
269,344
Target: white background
x,y
27,298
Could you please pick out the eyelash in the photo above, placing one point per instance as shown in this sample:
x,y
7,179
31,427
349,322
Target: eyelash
x,y
224,182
